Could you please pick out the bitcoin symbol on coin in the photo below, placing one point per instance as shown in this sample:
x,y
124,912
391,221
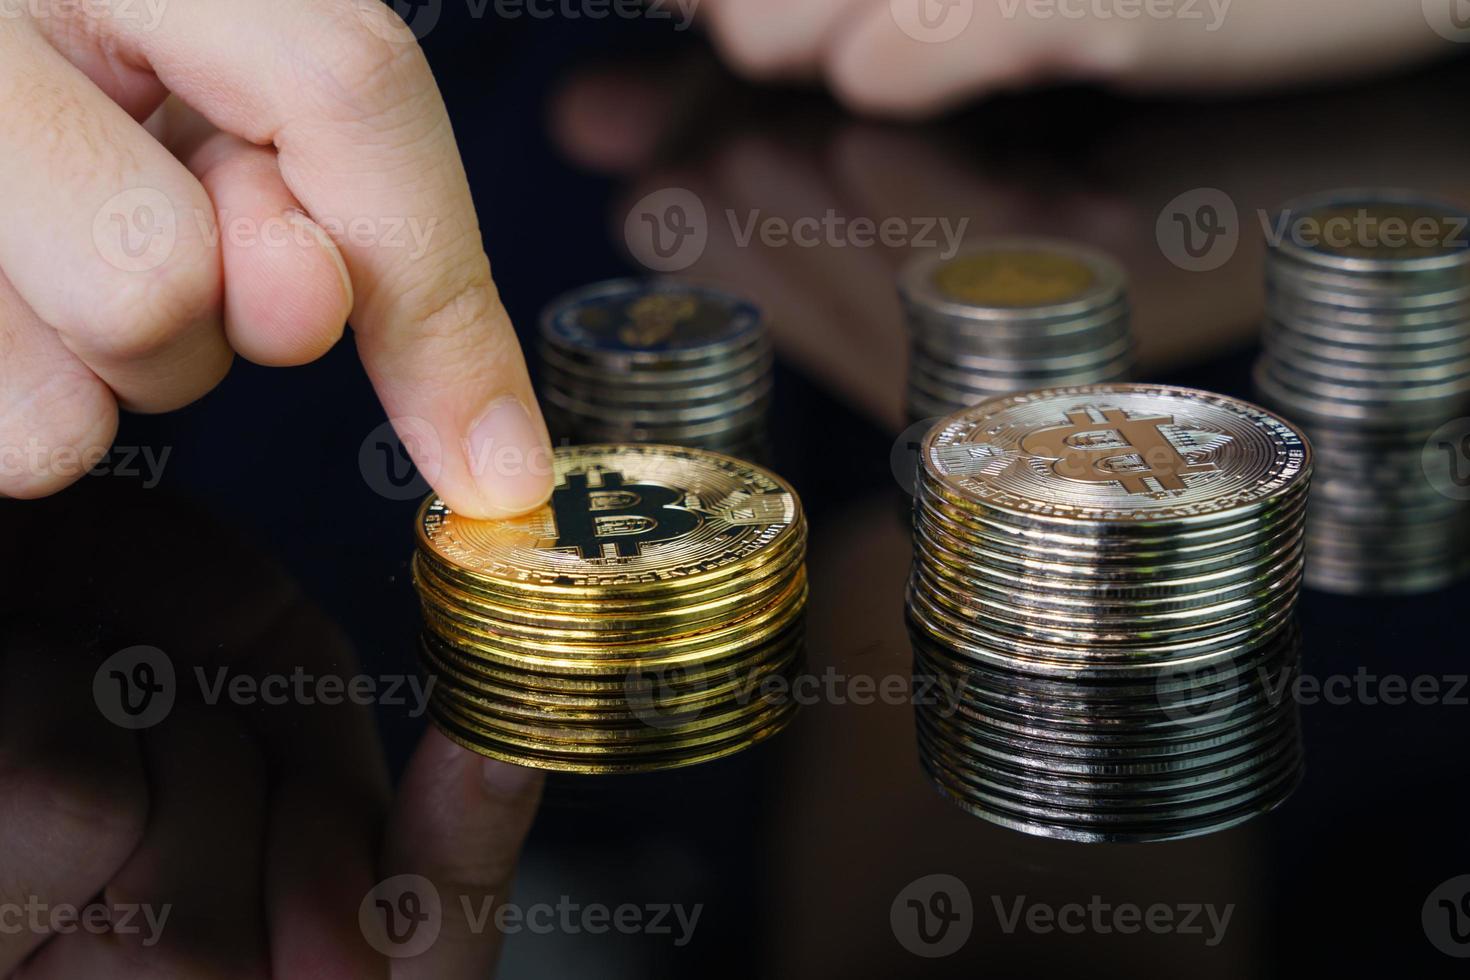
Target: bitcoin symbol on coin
x,y
655,318
614,520
1113,449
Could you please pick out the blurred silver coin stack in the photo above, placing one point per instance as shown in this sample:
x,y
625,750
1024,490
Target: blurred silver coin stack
x,y
1367,346
1102,610
656,361
1011,315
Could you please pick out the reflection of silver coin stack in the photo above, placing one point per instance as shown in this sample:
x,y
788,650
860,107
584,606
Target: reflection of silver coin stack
x,y
1367,345
1012,315
1102,594
656,361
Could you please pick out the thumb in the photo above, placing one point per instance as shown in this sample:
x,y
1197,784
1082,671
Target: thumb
x,y
459,821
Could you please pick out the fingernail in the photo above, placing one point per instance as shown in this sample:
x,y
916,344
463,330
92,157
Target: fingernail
x,y
510,458
303,221
505,779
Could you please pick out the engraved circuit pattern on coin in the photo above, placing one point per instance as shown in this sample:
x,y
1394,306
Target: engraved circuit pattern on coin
x,y
1117,453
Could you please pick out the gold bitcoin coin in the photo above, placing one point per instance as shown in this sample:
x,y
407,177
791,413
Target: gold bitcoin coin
x,y
626,626
624,520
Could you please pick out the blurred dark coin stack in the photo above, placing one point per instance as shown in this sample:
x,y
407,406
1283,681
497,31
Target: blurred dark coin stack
x,y
650,617
657,361
1101,607
1367,346
1011,315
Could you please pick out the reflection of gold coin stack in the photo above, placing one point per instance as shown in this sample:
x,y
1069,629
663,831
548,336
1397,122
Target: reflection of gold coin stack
x,y
1104,576
656,361
1367,345
638,622
1007,316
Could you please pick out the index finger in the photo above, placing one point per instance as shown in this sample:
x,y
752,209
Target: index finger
x,y
344,92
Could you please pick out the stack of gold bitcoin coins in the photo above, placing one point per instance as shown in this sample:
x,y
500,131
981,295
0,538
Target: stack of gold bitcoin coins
x,y
1012,315
656,361
1103,577
649,617
1367,346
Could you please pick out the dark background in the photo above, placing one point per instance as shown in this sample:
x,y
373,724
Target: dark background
x,y
796,849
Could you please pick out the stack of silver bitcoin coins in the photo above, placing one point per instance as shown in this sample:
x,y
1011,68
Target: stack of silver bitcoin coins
x,y
1367,346
1103,586
649,617
656,361
1011,315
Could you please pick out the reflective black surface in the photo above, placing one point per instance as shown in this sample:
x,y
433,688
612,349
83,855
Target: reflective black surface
x,y
273,491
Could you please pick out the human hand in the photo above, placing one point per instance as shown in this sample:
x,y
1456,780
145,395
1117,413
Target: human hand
x,y
920,57
235,825
189,181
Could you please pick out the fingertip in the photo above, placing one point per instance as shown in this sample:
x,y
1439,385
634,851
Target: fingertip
x,y
512,782
55,435
287,304
509,458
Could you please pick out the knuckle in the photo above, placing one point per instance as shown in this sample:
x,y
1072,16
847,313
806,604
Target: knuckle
x,y
100,810
861,91
747,48
68,420
361,70
148,313
460,315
